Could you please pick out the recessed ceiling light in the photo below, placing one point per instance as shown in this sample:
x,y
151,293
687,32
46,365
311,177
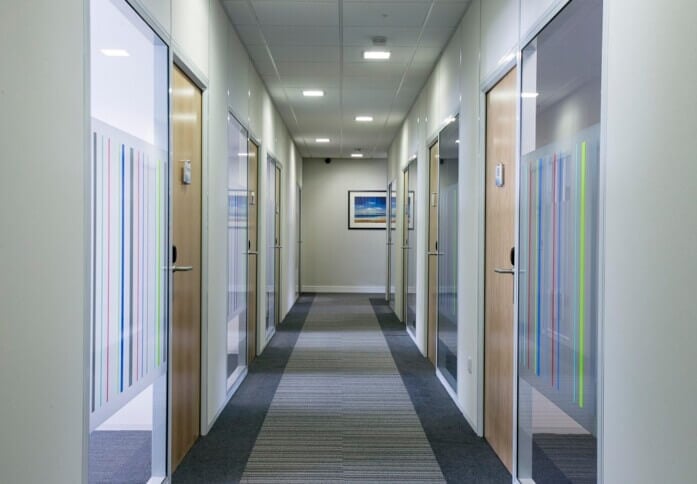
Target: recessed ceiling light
x,y
322,140
313,93
356,155
529,95
377,54
364,119
115,53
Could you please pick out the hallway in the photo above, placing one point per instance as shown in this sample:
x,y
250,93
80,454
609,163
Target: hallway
x,y
341,395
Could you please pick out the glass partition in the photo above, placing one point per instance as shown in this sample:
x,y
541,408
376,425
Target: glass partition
x,y
130,247
391,252
237,222
447,253
410,245
558,276
271,243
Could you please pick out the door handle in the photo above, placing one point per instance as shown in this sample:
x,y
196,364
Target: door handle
x,y
406,247
252,252
510,271
176,268
435,253
277,246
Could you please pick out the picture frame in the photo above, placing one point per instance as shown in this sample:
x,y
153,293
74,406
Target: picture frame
x,y
367,209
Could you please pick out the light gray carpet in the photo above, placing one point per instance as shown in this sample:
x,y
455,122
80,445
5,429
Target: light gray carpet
x,y
341,412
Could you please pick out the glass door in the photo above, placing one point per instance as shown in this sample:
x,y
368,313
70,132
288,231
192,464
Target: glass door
x,y
273,244
409,226
238,248
559,223
447,253
130,280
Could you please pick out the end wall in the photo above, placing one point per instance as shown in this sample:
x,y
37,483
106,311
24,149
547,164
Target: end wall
x,y
334,258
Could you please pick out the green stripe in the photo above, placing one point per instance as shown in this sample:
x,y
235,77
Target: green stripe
x,y
582,276
158,261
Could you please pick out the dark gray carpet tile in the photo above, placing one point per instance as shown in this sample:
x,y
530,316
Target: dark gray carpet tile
x,y
221,456
119,457
462,455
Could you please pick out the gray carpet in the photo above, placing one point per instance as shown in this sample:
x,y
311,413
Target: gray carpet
x,y
341,412
119,457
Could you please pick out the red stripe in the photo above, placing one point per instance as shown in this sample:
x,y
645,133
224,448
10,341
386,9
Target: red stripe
x,y
554,251
530,267
108,262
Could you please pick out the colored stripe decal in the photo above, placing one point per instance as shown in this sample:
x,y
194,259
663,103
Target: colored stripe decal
x,y
123,262
582,277
108,277
539,262
552,313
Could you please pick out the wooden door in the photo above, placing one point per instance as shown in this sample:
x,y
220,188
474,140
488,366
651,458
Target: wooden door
x,y
434,165
499,279
253,254
186,301
277,249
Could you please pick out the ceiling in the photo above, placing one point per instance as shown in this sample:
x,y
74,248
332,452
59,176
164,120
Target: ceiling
x,y
319,44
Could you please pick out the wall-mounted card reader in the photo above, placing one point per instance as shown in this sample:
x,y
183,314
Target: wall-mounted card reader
x,y
186,172
499,175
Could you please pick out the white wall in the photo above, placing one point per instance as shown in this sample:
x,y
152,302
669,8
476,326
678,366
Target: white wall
x,y
44,250
334,258
650,418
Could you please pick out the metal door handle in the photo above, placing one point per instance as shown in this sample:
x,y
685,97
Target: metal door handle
x,y
435,253
405,247
176,268
505,271
252,252
277,246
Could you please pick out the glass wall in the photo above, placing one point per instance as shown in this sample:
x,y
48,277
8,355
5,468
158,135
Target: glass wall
x,y
447,253
237,250
391,237
271,244
558,277
410,244
130,247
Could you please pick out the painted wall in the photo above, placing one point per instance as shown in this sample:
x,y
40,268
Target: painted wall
x,y
334,258
649,415
44,241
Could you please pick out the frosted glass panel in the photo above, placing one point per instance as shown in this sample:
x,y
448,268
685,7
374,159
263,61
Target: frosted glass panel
x,y
410,211
130,245
391,244
447,249
237,249
558,276
271,243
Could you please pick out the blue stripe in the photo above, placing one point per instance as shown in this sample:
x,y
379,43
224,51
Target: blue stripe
x,y
559,258
123,243
539,259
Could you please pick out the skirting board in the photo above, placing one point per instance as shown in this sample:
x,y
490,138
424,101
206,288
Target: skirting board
x,y
345,289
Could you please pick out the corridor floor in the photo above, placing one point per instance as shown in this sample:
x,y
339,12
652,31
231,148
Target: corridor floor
x,y
341,394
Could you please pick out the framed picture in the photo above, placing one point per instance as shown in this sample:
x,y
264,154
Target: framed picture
x,y
367,210
237,209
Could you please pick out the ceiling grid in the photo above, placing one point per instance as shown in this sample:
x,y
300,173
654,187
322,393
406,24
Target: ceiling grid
x,y
319,44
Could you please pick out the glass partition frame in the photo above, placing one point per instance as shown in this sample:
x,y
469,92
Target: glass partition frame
x,y
410,245
558,277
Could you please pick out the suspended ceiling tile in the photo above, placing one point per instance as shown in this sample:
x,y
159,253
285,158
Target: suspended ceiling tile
x,y
297,12
447,14
385,14
308,35
239,12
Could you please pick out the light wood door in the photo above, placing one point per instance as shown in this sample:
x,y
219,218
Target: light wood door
x,y
500,240
434,166
277,248
186,302
253,254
